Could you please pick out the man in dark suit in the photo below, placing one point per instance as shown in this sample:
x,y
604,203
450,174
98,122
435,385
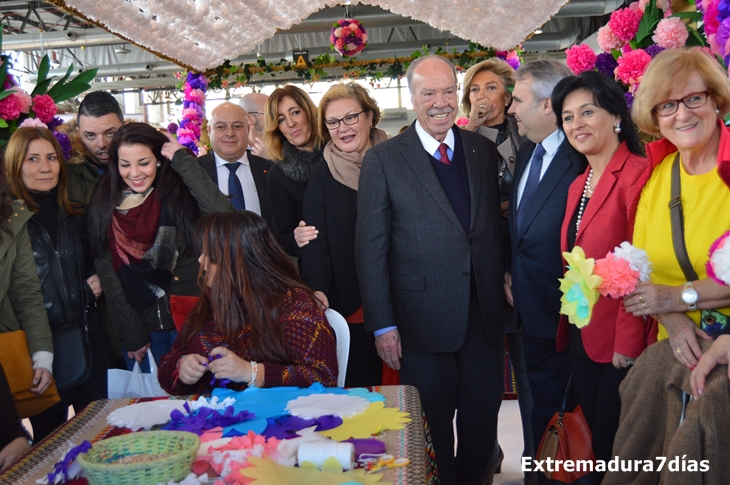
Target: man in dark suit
x,y
429,251
238,173
544,169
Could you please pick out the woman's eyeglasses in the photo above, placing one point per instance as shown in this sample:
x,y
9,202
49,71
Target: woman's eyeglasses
x,y
691,101
349,120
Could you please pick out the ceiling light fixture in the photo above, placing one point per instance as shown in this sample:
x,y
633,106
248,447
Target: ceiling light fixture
x,y
122,50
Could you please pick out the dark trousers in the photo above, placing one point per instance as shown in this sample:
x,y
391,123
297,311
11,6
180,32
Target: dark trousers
x,y
597,388
548,372
364,367
470,380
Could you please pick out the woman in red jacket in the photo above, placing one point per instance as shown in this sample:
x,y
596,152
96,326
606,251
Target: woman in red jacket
x,y
599,216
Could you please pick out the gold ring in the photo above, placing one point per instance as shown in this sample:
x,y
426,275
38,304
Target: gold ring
x,y
641,299
679,350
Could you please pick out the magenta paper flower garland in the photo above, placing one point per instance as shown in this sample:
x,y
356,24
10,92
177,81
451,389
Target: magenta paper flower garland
x,y
348,37
188,134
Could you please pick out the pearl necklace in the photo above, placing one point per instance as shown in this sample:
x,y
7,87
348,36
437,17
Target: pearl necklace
x,y
587,192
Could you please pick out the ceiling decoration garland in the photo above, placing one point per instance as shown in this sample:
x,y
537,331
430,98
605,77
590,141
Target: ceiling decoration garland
x,y
203,34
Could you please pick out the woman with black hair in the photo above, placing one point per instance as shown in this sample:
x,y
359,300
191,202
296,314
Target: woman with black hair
x,y
592,111
255,324
141,222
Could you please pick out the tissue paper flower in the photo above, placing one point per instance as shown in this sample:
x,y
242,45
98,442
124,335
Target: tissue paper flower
x,y
579,288
631,66
65,143
637,258
580,58
718,266
10,107
670,33
606,64
608,40
44,108
204,419
33,123
25,101
460,122
618,278
624,23
266,471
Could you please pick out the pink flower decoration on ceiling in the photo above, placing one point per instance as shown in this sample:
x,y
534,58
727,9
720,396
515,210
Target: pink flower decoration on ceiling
x,y
580,58
608,40
631,66
670,33
625,23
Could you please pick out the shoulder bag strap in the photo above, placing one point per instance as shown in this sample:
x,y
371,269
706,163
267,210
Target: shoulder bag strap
x,y
677,219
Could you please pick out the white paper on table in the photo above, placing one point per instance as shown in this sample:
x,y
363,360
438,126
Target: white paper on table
x,y
316,405
144,415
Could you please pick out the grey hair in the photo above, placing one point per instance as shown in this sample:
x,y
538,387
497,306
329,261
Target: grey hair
x,y
410,73
545,74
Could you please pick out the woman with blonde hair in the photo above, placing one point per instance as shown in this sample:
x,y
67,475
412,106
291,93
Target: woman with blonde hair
x,y
293,142
348,116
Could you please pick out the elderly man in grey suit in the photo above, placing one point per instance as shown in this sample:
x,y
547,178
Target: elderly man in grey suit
x,y
429,254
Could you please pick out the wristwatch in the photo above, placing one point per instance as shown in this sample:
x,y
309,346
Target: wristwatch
x,y
690,296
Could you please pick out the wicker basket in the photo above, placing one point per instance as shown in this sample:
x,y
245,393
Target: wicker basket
x,y
167,455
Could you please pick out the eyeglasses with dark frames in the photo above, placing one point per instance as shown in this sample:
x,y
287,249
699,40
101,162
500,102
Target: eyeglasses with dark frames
x,y
349,120
691,101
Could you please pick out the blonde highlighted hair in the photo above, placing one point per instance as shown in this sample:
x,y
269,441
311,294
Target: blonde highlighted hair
x,y
273,137
495,65
662,77
343,91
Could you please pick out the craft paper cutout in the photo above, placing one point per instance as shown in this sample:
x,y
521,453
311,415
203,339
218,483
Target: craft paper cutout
x,y
270,402
316,405
286,427
265,471
289,449
144,415
375,419
204,419
366,393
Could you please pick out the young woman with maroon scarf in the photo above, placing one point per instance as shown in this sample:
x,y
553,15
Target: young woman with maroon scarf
x,y
141,221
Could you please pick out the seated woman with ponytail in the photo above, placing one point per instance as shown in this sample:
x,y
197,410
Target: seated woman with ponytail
x,y
256,324
141,221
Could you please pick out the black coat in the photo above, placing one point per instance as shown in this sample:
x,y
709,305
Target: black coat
x,y
537,262
259,169
63,270
328,262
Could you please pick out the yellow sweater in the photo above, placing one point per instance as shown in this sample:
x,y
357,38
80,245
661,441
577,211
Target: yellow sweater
x,y
705,203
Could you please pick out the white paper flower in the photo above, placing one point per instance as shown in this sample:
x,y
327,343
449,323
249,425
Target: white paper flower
x,y
316,405
637,258
720,261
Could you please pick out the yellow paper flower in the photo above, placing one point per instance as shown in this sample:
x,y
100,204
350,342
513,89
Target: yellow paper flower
x,y
579,287
265,471
374,419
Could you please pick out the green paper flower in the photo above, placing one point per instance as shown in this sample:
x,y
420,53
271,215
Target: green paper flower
x,y
579,287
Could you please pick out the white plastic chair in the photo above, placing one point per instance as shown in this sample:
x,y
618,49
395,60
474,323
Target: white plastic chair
x,y
342,333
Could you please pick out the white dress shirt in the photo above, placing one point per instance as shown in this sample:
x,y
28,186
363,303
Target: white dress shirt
x,y
551,145
250,194
431,144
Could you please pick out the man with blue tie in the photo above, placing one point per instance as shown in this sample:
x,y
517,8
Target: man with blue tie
x,y
544,169
238,173
429,255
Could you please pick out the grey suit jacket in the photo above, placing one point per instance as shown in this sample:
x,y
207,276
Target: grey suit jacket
x,y
413,258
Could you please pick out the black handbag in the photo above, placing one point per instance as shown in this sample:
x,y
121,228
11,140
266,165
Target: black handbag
x,y
72,356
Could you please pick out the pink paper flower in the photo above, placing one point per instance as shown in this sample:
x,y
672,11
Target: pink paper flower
x,y
625,23
663,5
462,121
10,108
25,100
618,278
710,21
718,265
631,67
44,107
670,33
580,58
608,40
33,123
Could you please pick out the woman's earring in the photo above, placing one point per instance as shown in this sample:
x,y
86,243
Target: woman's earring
x,y
717,111
159,164
617,129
